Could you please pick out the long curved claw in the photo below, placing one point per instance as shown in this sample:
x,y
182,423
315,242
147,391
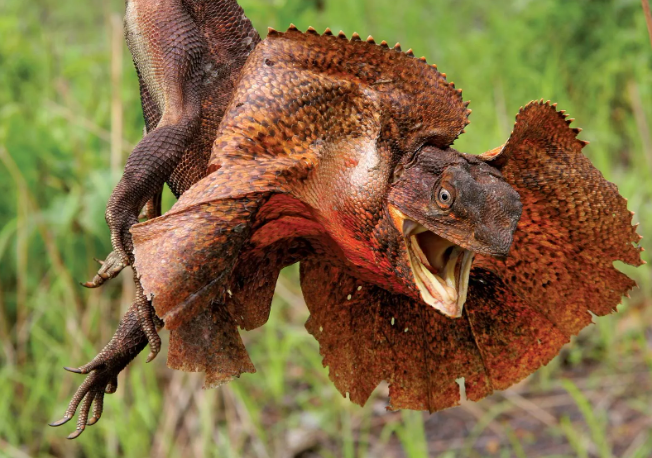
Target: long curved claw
x,y
82,419
152,354
90,393
63,421
95,363
73,370
75,434
109,268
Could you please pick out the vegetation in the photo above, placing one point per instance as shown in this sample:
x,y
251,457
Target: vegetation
x,y
69,114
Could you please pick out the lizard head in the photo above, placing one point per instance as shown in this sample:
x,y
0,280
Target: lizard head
x,y
449,206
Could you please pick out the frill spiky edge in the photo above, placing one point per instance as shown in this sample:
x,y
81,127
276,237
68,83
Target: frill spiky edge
x,y
564,116
355,38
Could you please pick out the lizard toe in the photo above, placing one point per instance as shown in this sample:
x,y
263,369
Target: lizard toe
x,y
109,268
98,407
112,386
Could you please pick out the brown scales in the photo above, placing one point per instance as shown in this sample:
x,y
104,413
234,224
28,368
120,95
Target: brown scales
x,y
326,143
188,55
294,110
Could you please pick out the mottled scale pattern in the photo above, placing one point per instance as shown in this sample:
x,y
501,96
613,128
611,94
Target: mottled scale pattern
x,y
169,68
519,312
292,78
482,194
188,56
218,38
367,335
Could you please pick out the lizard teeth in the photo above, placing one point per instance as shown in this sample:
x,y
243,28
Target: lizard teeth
x,y
463,287
448,274
440,268
416,248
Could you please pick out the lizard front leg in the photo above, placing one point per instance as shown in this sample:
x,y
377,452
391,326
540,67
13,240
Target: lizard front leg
x,y
215,247
168,49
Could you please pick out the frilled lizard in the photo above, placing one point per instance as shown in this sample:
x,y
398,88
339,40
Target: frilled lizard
x,y
420,265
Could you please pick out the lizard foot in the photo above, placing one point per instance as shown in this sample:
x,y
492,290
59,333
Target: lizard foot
x,y
102,372
109,268
90,393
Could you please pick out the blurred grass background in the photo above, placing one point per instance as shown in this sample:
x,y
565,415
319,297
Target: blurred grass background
x,y
69,115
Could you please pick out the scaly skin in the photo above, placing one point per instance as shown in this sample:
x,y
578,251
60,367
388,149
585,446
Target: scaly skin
x,y
328,148
188,55
330,153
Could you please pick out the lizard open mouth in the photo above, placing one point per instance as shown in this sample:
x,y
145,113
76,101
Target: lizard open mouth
x,y
440,268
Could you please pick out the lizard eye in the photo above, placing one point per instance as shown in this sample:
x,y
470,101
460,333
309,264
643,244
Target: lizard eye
x,y
445,197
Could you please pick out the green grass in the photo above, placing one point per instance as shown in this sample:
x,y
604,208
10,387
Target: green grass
x,y
56,144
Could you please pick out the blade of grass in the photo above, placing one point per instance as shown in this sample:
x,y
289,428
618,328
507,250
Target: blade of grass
x,y
595,424
575,438
514,441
